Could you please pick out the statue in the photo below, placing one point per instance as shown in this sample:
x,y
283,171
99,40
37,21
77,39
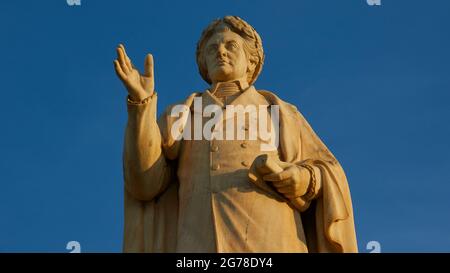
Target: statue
x,y
223,192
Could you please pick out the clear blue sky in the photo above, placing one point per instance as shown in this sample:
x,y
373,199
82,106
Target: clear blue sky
x,y
372,81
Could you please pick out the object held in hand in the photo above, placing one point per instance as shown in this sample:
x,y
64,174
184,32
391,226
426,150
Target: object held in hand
x,y
263,165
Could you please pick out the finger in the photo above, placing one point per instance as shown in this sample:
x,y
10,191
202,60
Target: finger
x,y
278,176
119,70
285,190
288,192
127,59
122,62
291,195
282,183
148,66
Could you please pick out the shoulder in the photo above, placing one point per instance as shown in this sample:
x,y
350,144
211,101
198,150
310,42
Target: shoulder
x,y
186,101
275,100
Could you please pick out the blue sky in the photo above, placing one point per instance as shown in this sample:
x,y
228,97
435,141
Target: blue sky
x,y
372,81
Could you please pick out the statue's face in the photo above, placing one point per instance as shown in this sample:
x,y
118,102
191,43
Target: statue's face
x,y
225,57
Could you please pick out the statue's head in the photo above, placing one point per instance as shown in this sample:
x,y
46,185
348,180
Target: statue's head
x,y
229,49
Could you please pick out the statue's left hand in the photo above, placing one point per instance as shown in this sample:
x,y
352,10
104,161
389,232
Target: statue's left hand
x,y
292,182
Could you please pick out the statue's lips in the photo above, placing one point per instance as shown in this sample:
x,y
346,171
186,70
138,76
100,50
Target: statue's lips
x,y
221,63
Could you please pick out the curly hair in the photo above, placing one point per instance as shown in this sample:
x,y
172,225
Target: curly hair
x,y
252,45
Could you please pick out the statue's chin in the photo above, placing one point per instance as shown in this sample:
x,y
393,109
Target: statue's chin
x,y
223,75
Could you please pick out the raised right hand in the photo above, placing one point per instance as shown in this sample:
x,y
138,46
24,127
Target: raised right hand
x,y
139,86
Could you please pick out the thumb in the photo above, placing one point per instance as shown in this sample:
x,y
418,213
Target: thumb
x,y
148,66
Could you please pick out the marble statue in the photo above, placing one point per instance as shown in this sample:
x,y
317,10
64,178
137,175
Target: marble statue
x,y
199,179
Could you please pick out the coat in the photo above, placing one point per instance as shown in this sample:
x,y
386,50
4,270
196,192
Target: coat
x,y
195,195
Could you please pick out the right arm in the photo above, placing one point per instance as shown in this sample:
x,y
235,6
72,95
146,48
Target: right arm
x,y
146,171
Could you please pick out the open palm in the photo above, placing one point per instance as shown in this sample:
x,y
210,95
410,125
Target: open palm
x,y
139,86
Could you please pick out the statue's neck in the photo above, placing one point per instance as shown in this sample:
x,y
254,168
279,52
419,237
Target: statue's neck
x,y
225,89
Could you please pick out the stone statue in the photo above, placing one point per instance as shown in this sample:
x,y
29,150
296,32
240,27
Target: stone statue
x,y
227,194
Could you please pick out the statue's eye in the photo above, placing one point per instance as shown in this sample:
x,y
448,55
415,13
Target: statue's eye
x,y
232,45
211,49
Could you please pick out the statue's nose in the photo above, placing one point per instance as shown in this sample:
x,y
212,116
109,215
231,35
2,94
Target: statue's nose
x,y
221,51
